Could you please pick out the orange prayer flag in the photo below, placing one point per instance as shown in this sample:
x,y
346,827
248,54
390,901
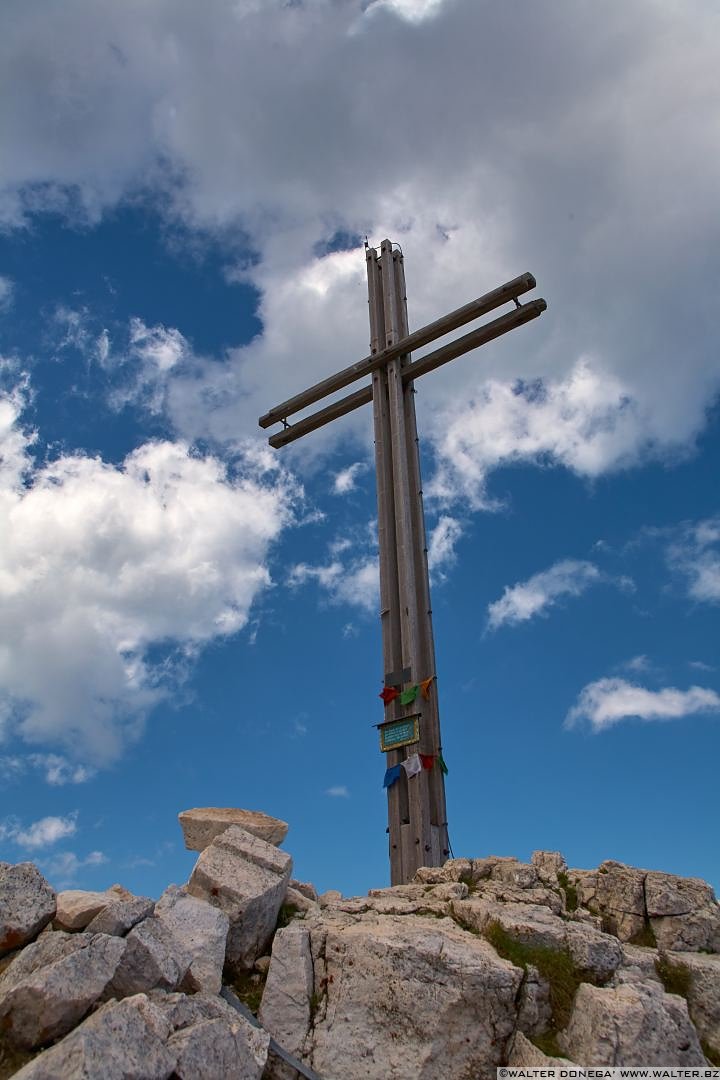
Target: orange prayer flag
x,y
425,686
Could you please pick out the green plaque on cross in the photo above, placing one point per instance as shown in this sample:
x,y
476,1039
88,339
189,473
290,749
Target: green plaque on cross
x,y
398,733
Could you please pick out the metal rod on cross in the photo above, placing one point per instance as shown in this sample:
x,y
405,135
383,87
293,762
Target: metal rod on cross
x,y
417,817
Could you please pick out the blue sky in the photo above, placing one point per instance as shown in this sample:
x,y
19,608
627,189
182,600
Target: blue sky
x,y
190,618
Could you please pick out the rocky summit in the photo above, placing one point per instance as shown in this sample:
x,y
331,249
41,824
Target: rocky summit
x,y
246,973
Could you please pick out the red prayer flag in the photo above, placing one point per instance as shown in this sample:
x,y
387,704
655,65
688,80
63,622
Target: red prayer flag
x,y
427,760
388,694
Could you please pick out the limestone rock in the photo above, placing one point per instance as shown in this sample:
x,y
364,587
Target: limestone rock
x,y
452,870
525,1054
548,865
505,893
703,995
330,896
202,931
154,957
209,1039
76,908
123,1040
202,825
403,996
299,900
27,904
620,899
634,1024
638,965
247,879
593,952
535,1011
285,1010
683,912
119,892
51,985
121,915
304,887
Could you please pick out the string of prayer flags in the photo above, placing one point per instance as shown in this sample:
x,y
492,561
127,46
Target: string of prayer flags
x,y
427,760
388,694
412,765
441,763
425,687
391,776
408,696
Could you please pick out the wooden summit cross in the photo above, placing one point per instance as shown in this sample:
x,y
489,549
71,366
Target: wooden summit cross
x,y
417,819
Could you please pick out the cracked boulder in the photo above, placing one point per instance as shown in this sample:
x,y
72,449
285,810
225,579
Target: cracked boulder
x,y
27,905
153,957
702,994
683,912
51,985
630,1025
286,1010
393,996
202,931
246,878
209,1039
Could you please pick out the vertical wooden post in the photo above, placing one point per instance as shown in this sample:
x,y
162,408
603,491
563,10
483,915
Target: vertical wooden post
x,y
417,823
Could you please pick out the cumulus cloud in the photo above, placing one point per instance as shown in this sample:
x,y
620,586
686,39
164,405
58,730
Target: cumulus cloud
x,y
355,582
55,769
571,156
100,564
39,834
346,479
443,538
570,577
62,870
608,701
7,290
696,556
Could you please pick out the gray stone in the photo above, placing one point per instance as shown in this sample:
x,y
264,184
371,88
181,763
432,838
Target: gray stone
x,y
703,997
209,1040
123,1040
525,1054
121,915
27,904
620,899
452,870
329,897
202,825
76,908
408,995
202,931
535,1011
683,912
154,957
285,1010
548,865
633,1024
638,965
305,887
299,900
52,984
246,878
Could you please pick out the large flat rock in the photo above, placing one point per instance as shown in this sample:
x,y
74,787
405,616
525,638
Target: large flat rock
x,y
201,825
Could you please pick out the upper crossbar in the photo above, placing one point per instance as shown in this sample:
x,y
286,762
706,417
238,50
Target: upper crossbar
x,y
488,302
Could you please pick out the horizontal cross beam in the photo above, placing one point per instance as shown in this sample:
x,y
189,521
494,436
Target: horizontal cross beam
x,y
524,313
502,295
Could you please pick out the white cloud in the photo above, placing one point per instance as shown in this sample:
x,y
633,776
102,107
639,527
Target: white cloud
x,y
696,555
441,544
570,577
700,665
56,769
346,480
99,563
39,834
62,870
638,663
356,583
154,353
608,701
7,292
570,154
338,792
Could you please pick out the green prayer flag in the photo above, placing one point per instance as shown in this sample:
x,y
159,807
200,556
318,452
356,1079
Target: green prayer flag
x,y
441,762
408,696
